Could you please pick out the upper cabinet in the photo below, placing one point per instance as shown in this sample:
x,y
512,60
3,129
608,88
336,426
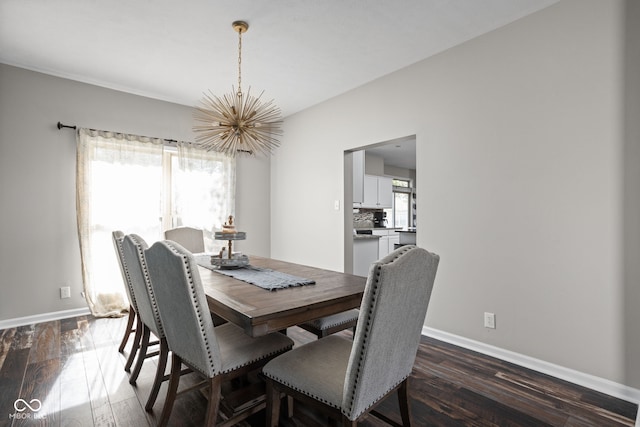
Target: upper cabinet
x,y
370,191
378,192
385,192
358,178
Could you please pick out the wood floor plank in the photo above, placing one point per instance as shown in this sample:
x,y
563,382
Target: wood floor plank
x,y
41,383
129,412
490,388
23,337
70,324
75,401
11,376
46,342
98,395
6,340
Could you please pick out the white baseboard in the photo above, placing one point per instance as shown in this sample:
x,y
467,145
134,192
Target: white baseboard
x,y
602,385
44,317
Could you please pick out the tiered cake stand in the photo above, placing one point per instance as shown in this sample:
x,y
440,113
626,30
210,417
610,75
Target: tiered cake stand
x,y
232,260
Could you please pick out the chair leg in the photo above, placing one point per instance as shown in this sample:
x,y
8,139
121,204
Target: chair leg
x,y
174,379
346,422
273,404
127,332
405,405
157,382
142,354
135,345
289,407
215,386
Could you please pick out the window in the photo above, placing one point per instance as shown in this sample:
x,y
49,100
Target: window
x,y
403,183
139,185
399,215
201,194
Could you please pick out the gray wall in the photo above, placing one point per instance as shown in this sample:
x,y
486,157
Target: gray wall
x,y
520,149
631,177
39,247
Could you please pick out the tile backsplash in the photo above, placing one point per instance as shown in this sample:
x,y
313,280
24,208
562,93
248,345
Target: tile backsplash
x,y
362,219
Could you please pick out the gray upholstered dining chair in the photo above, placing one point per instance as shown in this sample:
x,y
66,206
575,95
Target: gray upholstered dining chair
x,y
189,238
118,237
349,378
135,267
192,239
219,353
328,325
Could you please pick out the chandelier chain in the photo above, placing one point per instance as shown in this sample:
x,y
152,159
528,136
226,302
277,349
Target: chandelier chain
x,y
240,62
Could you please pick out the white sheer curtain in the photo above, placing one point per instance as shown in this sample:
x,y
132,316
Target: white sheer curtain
x,y
118,187
139,185
203,191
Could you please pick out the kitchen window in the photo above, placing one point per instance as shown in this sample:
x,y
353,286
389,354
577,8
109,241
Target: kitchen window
x,y
399,216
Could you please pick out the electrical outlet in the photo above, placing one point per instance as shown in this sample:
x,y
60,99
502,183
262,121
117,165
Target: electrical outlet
x,y
65,292
489,320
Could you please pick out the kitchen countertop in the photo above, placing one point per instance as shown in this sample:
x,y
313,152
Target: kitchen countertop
x,y
373,236
379,228
365,237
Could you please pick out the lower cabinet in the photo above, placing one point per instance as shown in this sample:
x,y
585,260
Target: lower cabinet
x,y
387,241
393,241
365,252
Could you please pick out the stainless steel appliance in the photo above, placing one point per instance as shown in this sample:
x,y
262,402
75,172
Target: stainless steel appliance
x,y
380,219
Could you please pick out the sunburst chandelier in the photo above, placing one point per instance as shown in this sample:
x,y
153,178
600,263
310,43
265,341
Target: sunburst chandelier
x,y
237,122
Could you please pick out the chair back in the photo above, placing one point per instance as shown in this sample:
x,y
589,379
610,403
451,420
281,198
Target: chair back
x,y
118,237
136,267
190,238
392,314
183,306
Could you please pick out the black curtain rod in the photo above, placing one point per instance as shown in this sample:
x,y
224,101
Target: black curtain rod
x,y
170,141
62,126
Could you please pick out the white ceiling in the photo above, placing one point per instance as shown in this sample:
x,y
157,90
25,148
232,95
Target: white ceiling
x,y
301,52
400,153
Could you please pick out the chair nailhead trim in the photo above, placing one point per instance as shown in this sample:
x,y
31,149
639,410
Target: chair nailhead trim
x,y
305,392
126,272
195,303
147,282
374,296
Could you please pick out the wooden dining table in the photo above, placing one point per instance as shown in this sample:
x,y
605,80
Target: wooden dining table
x,y
259,311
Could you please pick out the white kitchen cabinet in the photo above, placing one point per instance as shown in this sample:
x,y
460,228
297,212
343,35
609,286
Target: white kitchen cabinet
x,y
370,191
385,192
393,240
387,241
365,253
383,247
358,177
378,192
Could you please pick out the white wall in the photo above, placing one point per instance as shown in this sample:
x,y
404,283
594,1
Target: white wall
x,y
519,170
39,246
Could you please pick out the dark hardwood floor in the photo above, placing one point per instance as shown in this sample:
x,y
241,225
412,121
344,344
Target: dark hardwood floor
x,y
73,368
